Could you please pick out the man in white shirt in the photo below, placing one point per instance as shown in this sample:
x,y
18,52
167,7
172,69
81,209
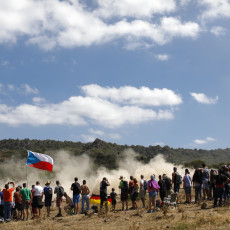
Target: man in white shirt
x,y
142,190
37,198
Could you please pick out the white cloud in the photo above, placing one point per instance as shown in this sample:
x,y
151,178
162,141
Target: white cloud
x,y
44,23
204,141
215,9
78,110
159,143
5,63
28,89
143,96
218,31
202,98
88,138
162,57
97,132
11,87
38,100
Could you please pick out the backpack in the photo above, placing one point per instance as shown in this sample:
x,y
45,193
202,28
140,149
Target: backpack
x,y
49,192
152,184
61,191
168,183
126,186
145,185
178,179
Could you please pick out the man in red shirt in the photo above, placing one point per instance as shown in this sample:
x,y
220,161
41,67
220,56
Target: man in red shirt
x,y
8,198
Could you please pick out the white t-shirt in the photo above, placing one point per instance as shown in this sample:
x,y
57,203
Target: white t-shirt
x,y
142,183
38,190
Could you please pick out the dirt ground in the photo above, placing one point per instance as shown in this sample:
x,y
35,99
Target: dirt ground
x,y
184,216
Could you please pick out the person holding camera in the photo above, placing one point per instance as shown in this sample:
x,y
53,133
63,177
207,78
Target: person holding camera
x,y
8,200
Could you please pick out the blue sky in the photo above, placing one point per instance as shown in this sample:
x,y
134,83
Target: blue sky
x,y
130,72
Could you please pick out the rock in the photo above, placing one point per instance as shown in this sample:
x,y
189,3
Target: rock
x,y
126,218
107,220
204,206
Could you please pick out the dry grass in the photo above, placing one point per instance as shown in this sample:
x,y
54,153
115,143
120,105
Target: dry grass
x,y
189,216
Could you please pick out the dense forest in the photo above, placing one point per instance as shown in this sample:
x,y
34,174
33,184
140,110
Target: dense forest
x,y
105,154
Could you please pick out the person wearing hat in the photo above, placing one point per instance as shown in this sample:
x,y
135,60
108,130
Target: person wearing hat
x,y
48,192
124,192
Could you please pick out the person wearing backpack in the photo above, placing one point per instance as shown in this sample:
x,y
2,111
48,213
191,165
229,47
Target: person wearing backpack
x,y
76,188
153,188
143,188
48,192
124,192
197,182
59,191
177,181
162,188
168,184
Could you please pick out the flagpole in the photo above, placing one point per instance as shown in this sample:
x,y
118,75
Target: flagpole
x,y
26,177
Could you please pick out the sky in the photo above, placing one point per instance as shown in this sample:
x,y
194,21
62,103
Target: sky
x,y
135,72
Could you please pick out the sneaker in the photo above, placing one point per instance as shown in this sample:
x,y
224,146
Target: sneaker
x,y
149,211
154,210
59,215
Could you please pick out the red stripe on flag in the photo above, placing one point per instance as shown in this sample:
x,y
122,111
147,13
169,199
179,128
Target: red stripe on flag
x,y
42,165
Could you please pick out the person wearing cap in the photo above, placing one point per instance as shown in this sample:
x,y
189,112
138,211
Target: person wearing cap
x,y
220,180
48,192
124,192
26,195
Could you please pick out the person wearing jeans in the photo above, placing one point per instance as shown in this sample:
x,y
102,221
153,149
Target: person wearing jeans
x,y
85,196
8,199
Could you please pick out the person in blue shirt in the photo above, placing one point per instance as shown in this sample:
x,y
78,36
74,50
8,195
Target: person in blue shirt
x,y
1,203
48,192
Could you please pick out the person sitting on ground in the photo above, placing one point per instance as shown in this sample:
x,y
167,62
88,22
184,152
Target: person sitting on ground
x,y
8,200
168,184
69,202
197,182
103,191
76,188
59,191
162,188
220,180
1,204
187,186
153,188
48,192
143,188
124,192
26,199
134,194
37,198
113,196
176,180
84,196
18,203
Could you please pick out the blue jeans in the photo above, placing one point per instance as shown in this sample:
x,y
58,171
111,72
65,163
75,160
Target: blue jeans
x,y
219,192
7,210
84,198
198,192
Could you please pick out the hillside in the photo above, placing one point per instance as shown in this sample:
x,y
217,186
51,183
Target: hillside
x,y
105,154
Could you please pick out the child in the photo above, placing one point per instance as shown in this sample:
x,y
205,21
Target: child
x,y
113,196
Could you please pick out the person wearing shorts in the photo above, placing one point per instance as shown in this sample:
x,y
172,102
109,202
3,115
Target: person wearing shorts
x,y
152,192
142,191
187,186
26,199
124,192
59,197
18,203
76,188
48,192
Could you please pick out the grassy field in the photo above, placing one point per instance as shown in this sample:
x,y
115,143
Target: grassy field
x,y
185,216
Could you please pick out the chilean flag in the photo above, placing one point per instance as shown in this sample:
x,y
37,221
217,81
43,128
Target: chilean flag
x,y
40,161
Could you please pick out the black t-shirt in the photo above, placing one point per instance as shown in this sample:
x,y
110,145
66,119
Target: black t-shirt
x,y
103,187
76,188
220,179
162,186
113,195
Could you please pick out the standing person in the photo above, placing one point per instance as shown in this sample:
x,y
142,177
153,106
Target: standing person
x,y
143,188
162,188
84,196
176,180
76,188
212,184
220,180
113,196
37,198
59,191
134,194
131,186
8,199
168,184
124,192
26,195
205,181
187,186
33,209
48,192
103,190
1,204
18,203
197,182
153,187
